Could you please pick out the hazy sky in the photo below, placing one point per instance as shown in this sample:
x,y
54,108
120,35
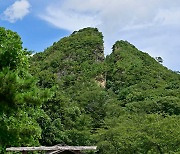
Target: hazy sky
x,y
153,26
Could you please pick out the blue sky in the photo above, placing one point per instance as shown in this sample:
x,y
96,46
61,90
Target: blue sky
x,y
153,26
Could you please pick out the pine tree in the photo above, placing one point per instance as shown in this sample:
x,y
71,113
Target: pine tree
x,y
20,98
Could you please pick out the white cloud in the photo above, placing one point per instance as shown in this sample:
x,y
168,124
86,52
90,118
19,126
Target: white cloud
x,y
110,13
17,11
69,19
147,24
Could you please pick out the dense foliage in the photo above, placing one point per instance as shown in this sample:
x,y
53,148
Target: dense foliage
x,y
73,95
72,68
20,98
142,84
149,95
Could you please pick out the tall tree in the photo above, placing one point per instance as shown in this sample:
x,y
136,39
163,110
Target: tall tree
x,y
20,99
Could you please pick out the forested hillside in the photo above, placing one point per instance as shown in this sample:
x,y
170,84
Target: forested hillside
x,y
71,94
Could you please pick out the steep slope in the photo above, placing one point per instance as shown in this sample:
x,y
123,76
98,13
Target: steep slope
x,y
79,54
140,82
73,68
149,97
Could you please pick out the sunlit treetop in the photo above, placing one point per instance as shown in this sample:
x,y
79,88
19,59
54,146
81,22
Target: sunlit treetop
x,y
12,54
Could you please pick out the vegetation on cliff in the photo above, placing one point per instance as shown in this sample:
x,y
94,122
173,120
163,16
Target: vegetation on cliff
x,y
71,94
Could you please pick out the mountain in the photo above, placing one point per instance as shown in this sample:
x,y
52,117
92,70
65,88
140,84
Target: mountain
x,y
114,102
74,69
140,82
126,102
77,55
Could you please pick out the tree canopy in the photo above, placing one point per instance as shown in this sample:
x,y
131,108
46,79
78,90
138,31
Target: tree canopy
x,y
20,98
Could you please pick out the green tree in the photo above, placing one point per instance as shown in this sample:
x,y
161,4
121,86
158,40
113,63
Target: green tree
x,y
20,98
11,53
140,134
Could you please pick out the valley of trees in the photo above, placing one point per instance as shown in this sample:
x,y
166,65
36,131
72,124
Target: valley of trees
x,y
71,94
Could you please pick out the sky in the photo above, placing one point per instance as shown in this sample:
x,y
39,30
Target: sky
x,y
153,26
